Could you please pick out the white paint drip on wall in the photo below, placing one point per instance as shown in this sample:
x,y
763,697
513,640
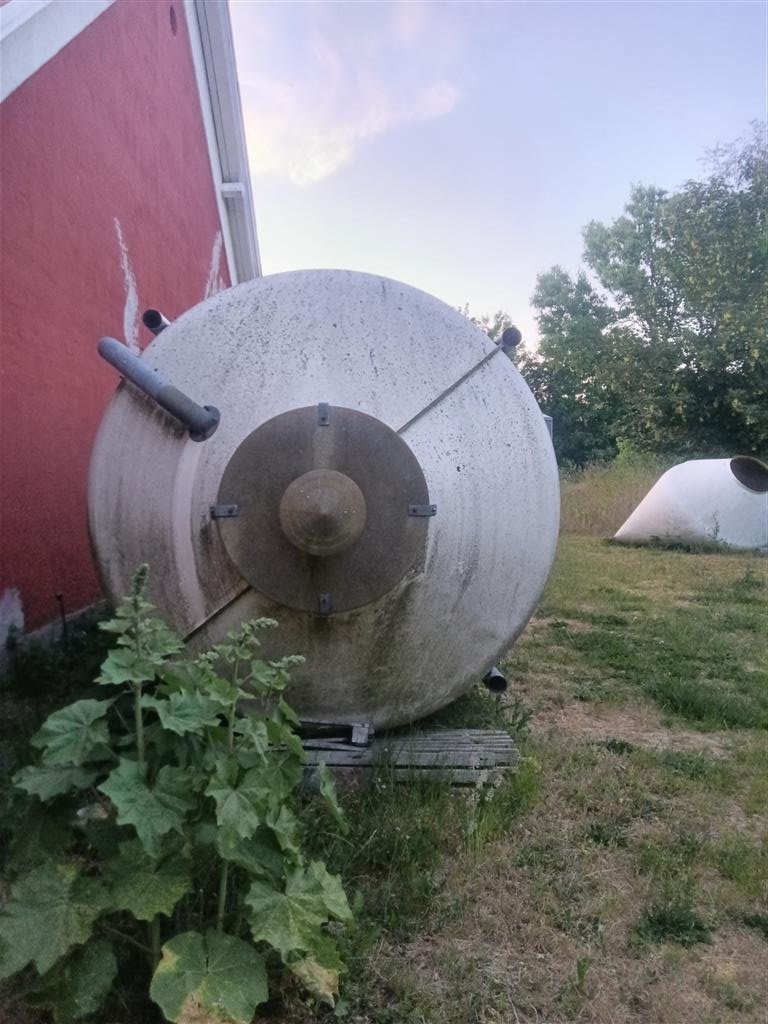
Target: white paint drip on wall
x,y
214,282
11,614
131,310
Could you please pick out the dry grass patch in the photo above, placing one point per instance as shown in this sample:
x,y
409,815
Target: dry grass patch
x,y
626,882
639,724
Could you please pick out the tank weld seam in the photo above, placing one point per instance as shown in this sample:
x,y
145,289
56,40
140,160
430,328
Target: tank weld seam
x,y
214,614
449,390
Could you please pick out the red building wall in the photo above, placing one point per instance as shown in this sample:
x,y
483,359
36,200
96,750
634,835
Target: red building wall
x,y
105,175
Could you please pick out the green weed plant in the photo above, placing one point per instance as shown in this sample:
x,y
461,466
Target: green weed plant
x,y
160,830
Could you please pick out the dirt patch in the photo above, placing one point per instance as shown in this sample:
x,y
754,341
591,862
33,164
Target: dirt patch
x,y
572,625
639,725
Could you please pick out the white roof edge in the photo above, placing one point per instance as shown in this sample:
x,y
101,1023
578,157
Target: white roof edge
x,y
33,31
220,92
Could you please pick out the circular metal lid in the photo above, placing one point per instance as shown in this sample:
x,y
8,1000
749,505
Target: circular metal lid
x,y
325,498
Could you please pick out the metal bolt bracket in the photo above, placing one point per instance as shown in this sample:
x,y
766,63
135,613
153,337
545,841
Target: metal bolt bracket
x,y
225,511
422,510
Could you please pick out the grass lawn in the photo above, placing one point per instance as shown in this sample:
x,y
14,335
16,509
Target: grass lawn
x,y
622,874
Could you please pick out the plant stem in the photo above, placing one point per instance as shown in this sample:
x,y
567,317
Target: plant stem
x,y
139,720
231,731
137,715
154,937
225,864
233,709
123,937
222,896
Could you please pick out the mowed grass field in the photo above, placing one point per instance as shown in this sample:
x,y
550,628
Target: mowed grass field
x,y
622,874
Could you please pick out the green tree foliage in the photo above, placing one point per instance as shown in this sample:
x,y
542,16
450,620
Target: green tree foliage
x,y
570,373
670,353
494,326
173,829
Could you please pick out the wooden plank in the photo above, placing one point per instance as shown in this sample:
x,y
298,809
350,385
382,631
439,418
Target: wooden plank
x,y
445,760
456,776
441,739
465,756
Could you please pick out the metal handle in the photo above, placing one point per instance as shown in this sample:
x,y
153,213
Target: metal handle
x,y
200,420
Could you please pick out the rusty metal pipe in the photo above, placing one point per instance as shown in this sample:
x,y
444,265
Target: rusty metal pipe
x,y
200,420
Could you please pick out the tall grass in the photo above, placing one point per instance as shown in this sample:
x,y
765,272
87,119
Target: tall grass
x,y
597,499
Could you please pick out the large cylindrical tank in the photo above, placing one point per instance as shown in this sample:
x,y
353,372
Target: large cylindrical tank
x,y
393,484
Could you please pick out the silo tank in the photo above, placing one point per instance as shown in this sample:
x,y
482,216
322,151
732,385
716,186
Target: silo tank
x,y
381,482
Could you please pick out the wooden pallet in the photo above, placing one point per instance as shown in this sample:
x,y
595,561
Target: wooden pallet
x,y
469,757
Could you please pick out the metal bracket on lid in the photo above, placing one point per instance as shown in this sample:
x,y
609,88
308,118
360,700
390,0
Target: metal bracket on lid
x,y
324,606
323,414
225,511
422,510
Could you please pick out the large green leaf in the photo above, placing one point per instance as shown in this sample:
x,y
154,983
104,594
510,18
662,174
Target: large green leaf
x,y
216,973
49,911
282,735
152,811
46,836
75,733
144,886
286,828
286,924
252,743
185,712
290,920
317,883
239,804
123,666
329,794
78,986
48,781
259,855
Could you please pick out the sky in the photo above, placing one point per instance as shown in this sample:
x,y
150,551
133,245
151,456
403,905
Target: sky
x,y
462,147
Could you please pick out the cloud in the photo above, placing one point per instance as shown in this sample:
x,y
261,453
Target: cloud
x,y
319,81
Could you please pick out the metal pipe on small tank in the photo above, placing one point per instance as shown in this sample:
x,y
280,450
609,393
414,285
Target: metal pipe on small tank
x,y
200,420
154,321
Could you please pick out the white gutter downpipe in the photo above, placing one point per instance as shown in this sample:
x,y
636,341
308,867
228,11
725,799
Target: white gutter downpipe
x,y
705,500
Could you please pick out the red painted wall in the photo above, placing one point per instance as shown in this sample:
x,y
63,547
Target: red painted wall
x,y
110,128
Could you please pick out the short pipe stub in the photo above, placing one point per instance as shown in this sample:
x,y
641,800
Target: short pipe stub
x,y
154,321
495,681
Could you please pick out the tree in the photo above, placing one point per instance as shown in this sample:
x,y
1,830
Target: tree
x,y
571,373
665,347
494,326
687,276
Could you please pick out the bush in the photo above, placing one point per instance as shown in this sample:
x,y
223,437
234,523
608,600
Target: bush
x,y
159,836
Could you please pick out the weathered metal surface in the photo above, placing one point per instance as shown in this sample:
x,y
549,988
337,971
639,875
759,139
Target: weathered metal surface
x,y
386,350
323,509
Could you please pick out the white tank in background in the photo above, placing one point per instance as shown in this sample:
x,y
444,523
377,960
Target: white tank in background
x,y
381,481
705,500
